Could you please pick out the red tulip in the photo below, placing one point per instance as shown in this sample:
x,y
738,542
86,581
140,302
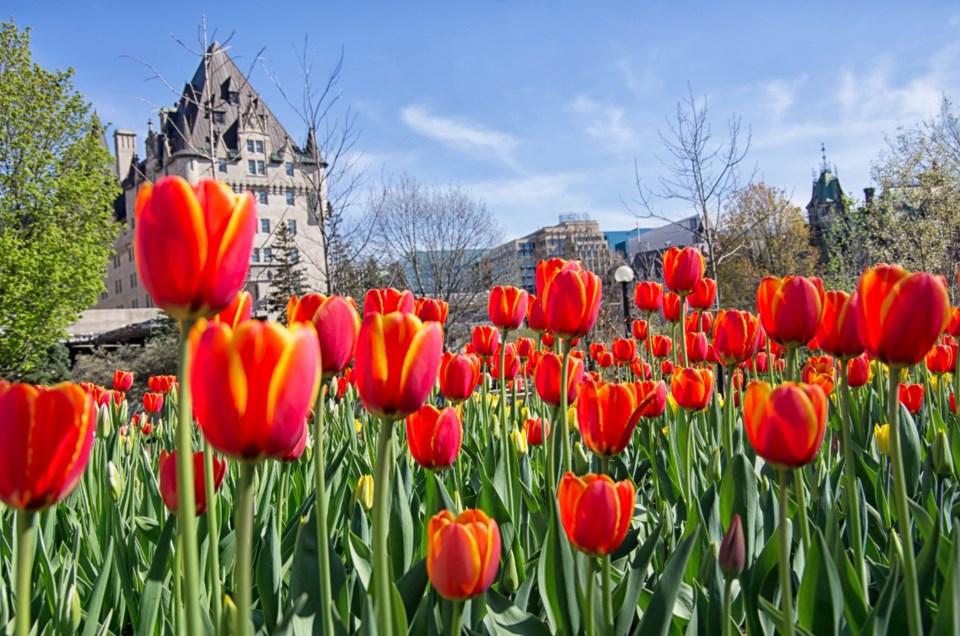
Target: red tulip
x,y
463,553
337,326
253,387
45,441
536,319
624,349
571,300
511,363
434,436
431,310
790,308
294,453
699,321
736,336
643,370
942,359
607,415
671,307
839,333
507,307
192,244
953,322
705,295
389,300
683,269
692,388
661,346
547,340
547,379
901,315
122,380
696,347
595,511
525,347
666,367
486,340
785,425
596,348
536,429
459,376
162,383
648,296
858,371
651,398
239,310
605,359
152,402
911,396
168,480
640,329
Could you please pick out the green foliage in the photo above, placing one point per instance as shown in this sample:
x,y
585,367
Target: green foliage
x,y
56,191
288,274
157,357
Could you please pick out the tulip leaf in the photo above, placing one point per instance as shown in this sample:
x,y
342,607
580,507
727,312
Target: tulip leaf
x,y
412,586
659,615
910,449
632,583
506,616
269,572
156,578
820,597
555,577
95,600
948,612
361,558
400,536
738,495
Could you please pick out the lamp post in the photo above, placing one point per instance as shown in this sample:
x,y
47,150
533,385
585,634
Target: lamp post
x,y
624,276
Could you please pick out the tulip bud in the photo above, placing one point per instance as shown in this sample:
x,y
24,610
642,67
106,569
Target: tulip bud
x,y
666,518
519,441
714,470
511,580
230,620
71,612
113,476
581,463
882,435
572,419
942,457
363,494
732,549
496,426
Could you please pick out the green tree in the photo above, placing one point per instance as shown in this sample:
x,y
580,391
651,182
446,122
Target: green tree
x,y
288,274
56,194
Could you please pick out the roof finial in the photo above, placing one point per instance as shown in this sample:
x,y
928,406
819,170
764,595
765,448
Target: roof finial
x,y
823,156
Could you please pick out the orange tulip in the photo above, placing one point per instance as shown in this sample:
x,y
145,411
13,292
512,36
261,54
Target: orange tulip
x,y
192,244
858,371
790,308
820,370
122,380
595,511
696,347
389,300
699,321
901,315
839,332
692,388
671,307
547,378
661,346
45,442
253,386
525,347
648,296
511,363
152,402
434,436
397,361
651,398
785,425
953,322
911,396
596,348
571,300
683,269
337,326
536,319
607,415
536,429
736,336
640,329
605,359
486,340
459,375
463,553
168,480
705,295
942,359
239,309
624,349
162,383
431,309
507,307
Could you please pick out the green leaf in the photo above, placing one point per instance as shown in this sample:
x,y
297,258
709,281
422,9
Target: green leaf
x,y
556,576
633,582
156,577
659,615
738,495
269,572
820,598
509,618
95,601
948,612
412,586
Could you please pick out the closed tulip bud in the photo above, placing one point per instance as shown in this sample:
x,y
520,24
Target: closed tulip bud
x,y
858,371
192,244
537,429
122,381
239,310
547,379
785,425
571,298
519,442
839,332
73,611
911,396
431,310
486,340
507,307
705,294
901,315
337,326
715,468
463,553
820,370
526,347
605,360
671,307
666,517
169,486
661,346
536,319
683,269
511,579
459,375
363,493
581,463
434,436
571,419
387,301
692,388
696,347
595,511
152,402
624,349
648,296
790,308
882,435
942,456
230,619
733,551
113,478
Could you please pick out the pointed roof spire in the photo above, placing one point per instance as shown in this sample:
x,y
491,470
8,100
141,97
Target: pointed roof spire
x,y
823,157
312,150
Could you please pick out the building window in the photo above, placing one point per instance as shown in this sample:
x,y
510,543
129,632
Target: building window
x,y
222,167
261,168
251,166
265,226
292,225
294,254
133,280
249,145
263,197
289,168
147,302
218,118
130,254
256,255
136,303
234,97
259,147
267,255
118,286
290,197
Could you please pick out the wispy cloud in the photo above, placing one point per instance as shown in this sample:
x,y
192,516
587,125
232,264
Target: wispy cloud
x,y
459,134
781,94
604,122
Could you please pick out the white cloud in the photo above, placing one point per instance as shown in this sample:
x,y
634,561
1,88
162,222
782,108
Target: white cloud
x,y
461,135
604,122
781,94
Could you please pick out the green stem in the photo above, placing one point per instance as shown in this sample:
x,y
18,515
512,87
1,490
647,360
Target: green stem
x,y
792,364
241,575
382,493
564,369
727,593
786,589
504,428
187,513
683,331
903,510
456,619
802,508
589,622
323,554
607,596
26,533
850,471
213,533
769,362
728,414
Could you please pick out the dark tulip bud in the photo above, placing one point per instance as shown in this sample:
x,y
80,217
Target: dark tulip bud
x,y
732,549
835,445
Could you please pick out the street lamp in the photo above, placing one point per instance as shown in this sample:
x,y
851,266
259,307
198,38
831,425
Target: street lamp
x,y
624,276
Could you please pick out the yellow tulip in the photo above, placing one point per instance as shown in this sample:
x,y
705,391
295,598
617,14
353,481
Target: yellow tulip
x,y
882,435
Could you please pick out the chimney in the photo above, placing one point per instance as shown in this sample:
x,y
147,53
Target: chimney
x,y
124,149
868,196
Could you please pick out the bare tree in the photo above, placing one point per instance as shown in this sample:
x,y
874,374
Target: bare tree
x,y
700,172
438,239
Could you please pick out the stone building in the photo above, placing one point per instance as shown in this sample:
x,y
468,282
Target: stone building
x,y
826,203
221,128
645,250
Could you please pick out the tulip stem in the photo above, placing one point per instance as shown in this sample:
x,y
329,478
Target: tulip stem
x,y
186,515
729,414
456,619
213,533
590,626
786,589
727,594
769,362
26,532
850,470
382,493
241,575
564,405
504,428
320,507
607,596
903,510
792,364
802,508
683,330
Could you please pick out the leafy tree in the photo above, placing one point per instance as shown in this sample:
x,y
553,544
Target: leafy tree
x,y
288,275
56,194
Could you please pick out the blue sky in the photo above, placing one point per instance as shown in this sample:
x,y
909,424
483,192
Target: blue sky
x,y
538,107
